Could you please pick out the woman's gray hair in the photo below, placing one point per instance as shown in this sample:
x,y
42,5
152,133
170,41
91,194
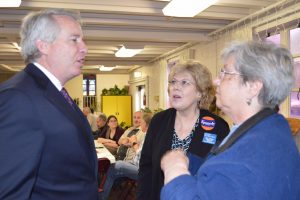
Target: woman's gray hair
x,y
266,62
41,25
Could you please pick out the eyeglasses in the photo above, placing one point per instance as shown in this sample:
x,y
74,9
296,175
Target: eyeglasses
x,y
223,72
182,83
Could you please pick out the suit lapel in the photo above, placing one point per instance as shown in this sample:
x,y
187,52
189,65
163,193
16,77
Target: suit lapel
x,y
53,95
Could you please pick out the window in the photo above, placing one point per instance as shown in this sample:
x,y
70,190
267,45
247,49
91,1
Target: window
x,y
140,96
89,91
294,41
274,38
295,94
89,85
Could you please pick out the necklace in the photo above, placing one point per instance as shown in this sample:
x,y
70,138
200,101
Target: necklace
x,y
184,144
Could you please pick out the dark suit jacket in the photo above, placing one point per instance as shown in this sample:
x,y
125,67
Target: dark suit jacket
x,y
46,146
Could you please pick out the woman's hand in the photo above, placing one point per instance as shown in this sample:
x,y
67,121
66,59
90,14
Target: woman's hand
x,y
101,140
133,139
174,163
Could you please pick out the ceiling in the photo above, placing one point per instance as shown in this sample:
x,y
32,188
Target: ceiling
x,y
109,24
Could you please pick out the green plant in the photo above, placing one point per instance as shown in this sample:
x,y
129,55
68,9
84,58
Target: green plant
x,y
104,91
157,110
148,110
115,91
123,125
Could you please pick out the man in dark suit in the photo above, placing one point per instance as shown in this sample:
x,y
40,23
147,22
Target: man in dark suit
x,y
46,145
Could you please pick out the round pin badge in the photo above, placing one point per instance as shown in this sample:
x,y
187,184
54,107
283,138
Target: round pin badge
x,y
208,123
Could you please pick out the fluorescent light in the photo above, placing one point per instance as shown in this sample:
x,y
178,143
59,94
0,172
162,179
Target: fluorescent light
x,y
10,3
128,51
137,74
186,8
106,69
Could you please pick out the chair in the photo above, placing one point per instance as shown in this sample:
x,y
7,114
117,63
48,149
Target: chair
x,y
295,127
103,166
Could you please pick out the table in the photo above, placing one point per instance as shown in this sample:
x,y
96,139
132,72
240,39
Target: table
x,y
102,152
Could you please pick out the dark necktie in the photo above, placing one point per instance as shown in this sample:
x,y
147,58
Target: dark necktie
x,y
67,96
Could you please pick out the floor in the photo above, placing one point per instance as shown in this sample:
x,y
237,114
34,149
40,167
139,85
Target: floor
x,y
123,190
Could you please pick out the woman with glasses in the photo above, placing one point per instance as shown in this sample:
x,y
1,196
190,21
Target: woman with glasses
x,y
259,158
188,125
112,135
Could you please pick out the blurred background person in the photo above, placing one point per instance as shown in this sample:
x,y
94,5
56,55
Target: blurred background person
x,y
101,125
259,158
134,133
46,145
112,135
188,125
92,119
128,168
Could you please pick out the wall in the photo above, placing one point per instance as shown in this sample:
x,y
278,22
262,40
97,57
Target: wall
x,y
108,81
5,76
209,54
150,80
74,88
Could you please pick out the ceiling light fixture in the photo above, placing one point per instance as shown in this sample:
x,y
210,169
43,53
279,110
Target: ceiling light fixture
x,y
137,74
128,51
186,8
105,69
10,3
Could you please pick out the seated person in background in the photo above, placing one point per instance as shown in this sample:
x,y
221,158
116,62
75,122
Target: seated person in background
x,y
126,151
102,126
90,117
112,135
127,168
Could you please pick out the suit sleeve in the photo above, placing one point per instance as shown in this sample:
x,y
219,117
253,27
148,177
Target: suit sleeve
x,y
145,168
21,142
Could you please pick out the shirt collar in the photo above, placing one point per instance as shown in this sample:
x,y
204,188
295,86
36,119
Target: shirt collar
x,y
51,77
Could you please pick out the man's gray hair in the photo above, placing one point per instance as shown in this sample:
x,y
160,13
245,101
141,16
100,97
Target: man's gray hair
x,y
41,25
102,116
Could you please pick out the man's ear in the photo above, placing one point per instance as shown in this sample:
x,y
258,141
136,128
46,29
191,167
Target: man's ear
x,y
42,46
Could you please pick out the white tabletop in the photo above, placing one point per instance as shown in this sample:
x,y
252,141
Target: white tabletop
x,y
102,152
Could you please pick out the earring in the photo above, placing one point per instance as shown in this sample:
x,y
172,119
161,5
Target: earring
x,y
249,101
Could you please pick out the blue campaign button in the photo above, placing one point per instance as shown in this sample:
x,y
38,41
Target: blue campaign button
x,y
209,138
